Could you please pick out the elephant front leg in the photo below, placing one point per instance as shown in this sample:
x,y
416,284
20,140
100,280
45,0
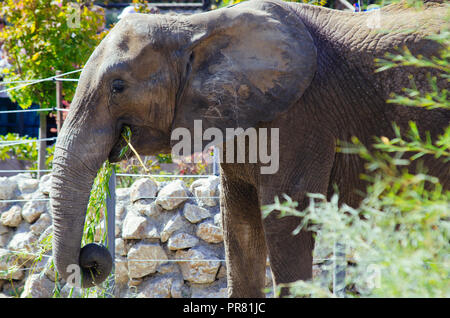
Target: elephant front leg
x,y
244,241
291,256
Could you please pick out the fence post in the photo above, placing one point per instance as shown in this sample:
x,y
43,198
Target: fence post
x,y
215,161
42,144
339,265
58,102
111,226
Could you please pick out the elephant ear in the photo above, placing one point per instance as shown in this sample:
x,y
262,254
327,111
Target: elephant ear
x,y
245,64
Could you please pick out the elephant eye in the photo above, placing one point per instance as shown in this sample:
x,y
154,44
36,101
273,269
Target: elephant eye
x,y
117,86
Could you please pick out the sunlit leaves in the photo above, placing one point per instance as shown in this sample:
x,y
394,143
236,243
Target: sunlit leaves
x,y
39,39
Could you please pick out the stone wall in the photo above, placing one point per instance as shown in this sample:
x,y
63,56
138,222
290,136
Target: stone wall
x,y
169,240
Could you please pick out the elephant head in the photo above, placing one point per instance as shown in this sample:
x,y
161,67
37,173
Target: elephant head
x,y
233,67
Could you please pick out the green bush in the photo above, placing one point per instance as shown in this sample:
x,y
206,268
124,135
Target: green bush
x,y
13,146
43,36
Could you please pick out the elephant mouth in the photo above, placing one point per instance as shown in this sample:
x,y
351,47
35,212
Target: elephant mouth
x,y
144,140
121,150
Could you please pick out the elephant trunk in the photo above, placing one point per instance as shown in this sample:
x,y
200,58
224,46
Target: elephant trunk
x,y
79,153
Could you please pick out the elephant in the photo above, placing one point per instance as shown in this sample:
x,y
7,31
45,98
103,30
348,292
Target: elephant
x,y
305,70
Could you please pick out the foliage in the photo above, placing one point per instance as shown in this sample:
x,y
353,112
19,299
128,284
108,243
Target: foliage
x,y
401,228
96,210
14,146
397,239
43,36
142,6
434,98
23,148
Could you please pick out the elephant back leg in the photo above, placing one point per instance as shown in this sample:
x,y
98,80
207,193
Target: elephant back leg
x,y
244,241
291,256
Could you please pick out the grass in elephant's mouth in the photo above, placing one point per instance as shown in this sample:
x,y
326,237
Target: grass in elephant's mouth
x,y
126,135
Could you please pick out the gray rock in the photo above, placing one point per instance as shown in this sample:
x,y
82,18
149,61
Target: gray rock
x,y
194,213
4,239
4,229
174,224
23,240
118,229
135,281
41,224
202,267
205,190
210,232
134,226
123,194
120,247
5,234
153,210
121,211
38,286
33,209
12,217
45,267
200,291
143,188
222,273
181,241
23,175
168,268
218,219
47,232
157,287
144,258
13,289
139,227
45,184
8,188
50,271
121,270
10,266
172,195
148,209
179,290
27,185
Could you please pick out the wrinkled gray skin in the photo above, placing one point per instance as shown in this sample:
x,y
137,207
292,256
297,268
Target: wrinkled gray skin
x,y
306,70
